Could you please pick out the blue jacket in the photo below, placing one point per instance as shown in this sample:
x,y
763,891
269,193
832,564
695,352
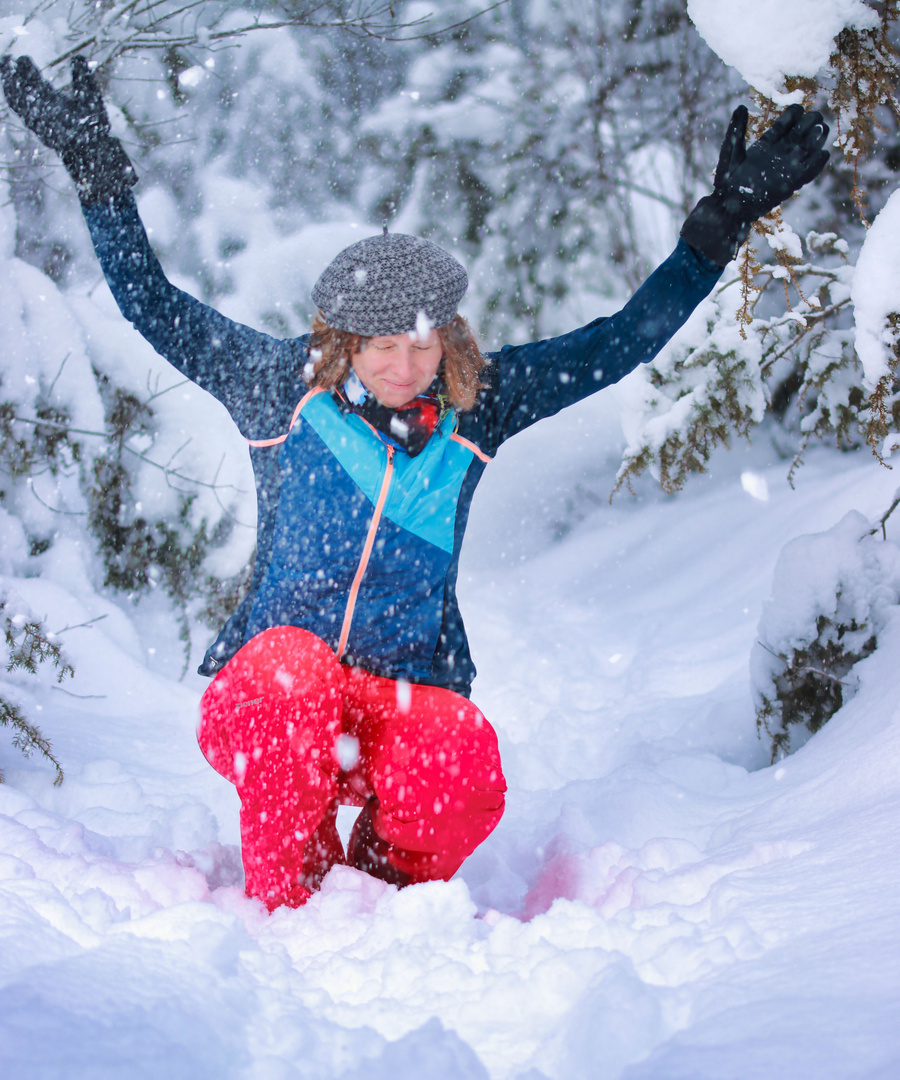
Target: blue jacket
x,y
358,542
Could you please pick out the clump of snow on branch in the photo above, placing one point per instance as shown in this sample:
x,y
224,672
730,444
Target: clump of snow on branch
x,y
777,37
725,371
876,294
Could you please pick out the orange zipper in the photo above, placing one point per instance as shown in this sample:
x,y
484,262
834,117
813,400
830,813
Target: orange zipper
x,y
367,551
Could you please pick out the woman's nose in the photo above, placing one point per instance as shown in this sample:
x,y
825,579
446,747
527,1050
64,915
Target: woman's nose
x,y
403,360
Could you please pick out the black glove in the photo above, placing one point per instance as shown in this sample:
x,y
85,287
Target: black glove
x,y
75,125
752,181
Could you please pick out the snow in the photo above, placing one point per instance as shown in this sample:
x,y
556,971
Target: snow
x,y
876,287
656,902
768,39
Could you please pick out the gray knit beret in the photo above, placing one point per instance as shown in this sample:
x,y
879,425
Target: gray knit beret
x,y
378,286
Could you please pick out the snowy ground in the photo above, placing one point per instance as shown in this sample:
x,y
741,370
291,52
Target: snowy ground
x,y
657,903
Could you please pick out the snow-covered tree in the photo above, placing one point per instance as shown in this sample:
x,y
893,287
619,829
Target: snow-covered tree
x,y
832,596
818,321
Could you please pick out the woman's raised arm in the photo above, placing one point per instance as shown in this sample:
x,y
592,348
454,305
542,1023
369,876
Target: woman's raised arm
x,y
256,377
538,379
242,367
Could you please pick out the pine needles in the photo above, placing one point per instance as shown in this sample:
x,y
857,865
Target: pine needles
x,y
866,65
811,687
30,648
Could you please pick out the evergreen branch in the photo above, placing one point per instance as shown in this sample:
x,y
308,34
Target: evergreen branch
x,y
27,737
814,316
130,450
28,648
34,649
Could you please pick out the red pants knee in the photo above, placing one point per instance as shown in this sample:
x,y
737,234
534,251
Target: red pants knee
x,y
270,722
431,759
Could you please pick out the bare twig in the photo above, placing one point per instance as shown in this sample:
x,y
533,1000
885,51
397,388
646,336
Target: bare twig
x,y
159,393
55,509
57,375
156,30
81,697
772,652
882,521
136,453
79,626
824,675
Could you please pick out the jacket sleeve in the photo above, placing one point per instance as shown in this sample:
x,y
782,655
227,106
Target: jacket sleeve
x,y
251,373
529,382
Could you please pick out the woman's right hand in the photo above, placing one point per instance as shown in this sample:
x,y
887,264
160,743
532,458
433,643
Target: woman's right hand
x,y
75,125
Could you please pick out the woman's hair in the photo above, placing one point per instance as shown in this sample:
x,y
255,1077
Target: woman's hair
x,y
332,351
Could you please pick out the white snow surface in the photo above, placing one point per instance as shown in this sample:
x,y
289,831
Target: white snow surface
x,y
876,292
656,903
768,39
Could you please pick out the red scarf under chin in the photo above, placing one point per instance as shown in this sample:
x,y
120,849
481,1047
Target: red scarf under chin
x,y
408,427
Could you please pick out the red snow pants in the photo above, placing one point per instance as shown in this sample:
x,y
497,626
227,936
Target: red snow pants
x,y
298,734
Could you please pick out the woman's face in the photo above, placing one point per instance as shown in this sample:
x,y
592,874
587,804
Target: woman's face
x,y
398,368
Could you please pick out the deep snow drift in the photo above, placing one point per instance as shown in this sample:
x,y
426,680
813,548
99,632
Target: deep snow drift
x,y
656,903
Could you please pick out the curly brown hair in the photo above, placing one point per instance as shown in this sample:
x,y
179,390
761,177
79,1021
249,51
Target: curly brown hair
x,y
332,351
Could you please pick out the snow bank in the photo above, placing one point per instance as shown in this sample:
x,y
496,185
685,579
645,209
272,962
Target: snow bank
x,y
653,904
768,39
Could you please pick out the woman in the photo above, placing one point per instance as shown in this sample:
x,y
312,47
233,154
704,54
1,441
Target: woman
x,y
344,675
